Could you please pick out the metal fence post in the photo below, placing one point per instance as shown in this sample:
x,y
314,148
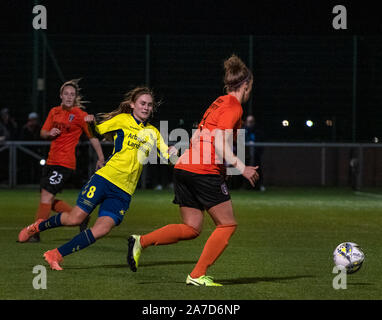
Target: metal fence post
x,y
323,166
91,166
147,60
147,80
35,66
360,167
250,44
354,98
12,166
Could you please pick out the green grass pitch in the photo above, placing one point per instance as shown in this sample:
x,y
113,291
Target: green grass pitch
x,y
282,249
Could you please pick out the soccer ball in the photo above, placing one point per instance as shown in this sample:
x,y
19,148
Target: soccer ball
x,y
349,255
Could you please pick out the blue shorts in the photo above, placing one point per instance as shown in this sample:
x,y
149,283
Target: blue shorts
x,y
114,201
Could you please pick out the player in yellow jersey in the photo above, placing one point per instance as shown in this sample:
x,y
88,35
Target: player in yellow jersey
x,y
113,185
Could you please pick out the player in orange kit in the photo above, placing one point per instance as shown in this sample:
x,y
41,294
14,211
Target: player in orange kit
x,y
199,185
63,126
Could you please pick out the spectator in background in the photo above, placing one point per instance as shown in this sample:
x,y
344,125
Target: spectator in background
x,y
254,154
31,130
3,133
195,125
8,125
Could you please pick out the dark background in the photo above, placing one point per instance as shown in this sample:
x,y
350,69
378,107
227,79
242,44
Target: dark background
x,y
303,68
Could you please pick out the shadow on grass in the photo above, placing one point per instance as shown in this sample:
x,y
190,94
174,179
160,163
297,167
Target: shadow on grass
x,y
239,281
261,279
164,263
104,266
111,266
360,284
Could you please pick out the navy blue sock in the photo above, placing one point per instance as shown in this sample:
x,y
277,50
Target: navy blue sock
x,y
79,242
52,222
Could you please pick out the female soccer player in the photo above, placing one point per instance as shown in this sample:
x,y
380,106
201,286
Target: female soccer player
x,y
113,185
200,186
63,126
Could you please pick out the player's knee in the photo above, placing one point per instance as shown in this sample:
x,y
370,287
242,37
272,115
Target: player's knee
x,y
227,230
46,197
100,231
190,232
73,219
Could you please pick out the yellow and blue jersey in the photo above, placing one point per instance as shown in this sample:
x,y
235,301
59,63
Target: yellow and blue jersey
x,y
133,142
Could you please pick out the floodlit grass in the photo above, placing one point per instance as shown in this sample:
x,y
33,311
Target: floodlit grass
x,y
282,249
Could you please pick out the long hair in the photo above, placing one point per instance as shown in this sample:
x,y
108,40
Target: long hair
x,y
78,102
236,73
129,98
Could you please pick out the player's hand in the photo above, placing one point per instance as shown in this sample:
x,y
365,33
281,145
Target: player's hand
x,y
172,151
251,174
100,164
228,177
54,132
89,118
172,155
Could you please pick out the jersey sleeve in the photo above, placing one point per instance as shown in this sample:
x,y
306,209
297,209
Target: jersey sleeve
x,y
109,125
228,118
85,126
162,147
48,124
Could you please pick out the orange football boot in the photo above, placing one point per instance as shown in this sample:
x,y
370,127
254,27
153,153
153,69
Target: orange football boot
x,y
54,257
29,231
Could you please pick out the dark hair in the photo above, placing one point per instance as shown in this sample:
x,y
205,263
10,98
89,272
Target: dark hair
x,y
236,73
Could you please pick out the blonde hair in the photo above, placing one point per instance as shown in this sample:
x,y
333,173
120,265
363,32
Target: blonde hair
x,y
129,98
78,102
236,73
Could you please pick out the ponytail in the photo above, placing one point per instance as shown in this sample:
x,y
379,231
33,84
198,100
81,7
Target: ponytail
x,y
236,73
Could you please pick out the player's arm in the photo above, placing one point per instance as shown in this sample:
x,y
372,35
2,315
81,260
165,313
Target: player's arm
x,y
51,134
223,143
98,149
195,137
223,148
168,152
48,132
90,120
91,124
110,125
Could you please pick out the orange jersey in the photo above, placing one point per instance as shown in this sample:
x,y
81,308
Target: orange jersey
x,y
71,123
224,113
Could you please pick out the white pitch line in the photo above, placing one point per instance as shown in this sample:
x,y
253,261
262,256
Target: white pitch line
x,y
367,194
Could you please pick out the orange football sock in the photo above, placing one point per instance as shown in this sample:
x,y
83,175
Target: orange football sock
x,y
213,248
43,211
61,206
169,234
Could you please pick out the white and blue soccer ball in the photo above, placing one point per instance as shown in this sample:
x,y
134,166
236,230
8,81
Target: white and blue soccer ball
x,y
349,255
